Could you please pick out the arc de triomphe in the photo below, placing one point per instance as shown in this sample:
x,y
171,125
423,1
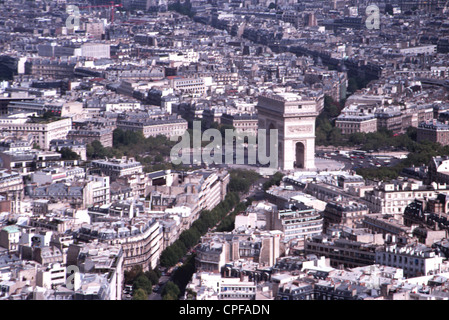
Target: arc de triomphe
x,y
294,118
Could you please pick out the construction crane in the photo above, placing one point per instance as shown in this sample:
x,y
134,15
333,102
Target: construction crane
x,y
111,6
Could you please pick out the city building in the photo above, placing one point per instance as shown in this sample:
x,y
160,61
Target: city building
x,y
297,224
416,260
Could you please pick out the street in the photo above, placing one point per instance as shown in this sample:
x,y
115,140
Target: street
x,y
353,162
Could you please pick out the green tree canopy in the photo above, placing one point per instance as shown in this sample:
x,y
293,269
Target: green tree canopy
x,y
140,294
68,154
142,282
171,289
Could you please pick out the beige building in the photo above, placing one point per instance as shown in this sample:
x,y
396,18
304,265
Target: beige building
x,y
95,50
395,197
116,168
42,130
434,132
88,135
154,127
243,123
141,241
191,86
9,238
352,124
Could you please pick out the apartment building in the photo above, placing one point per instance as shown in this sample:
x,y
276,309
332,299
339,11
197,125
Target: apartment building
x,y
51,276
243,123
97,189
432,216
218,249
78,147
297,224
49,69
11,182
395,197
434,131
116,168
57,174
340,251
415,259
168,126
389,120
9,238
42,130
96,50
423,50
94,190
348,213
88,135
141,240
212,256
191,86
349,124
212,187
100,270
387,225
212,286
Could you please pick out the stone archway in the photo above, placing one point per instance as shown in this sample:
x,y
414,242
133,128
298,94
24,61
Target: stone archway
x,y
299,155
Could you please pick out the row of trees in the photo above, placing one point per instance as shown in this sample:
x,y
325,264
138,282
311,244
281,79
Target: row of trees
x,y
181,278
420,153
152,152
241,180
228,223
325,131
174,253
274,180
189,238
142,282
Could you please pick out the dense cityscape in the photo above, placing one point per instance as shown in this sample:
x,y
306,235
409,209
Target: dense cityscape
x,y
224,150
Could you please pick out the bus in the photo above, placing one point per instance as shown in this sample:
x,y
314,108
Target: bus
x,y
359,152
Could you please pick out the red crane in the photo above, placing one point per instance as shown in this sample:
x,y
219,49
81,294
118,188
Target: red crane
x,y
111,6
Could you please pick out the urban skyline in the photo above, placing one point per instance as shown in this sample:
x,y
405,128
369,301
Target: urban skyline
x,y
224,150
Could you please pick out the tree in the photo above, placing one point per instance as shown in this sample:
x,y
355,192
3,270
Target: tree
x,y
241,180
171,289
168,257
68,154
183,274
275,180
133,274
169,296
153,276
140,294
142,282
